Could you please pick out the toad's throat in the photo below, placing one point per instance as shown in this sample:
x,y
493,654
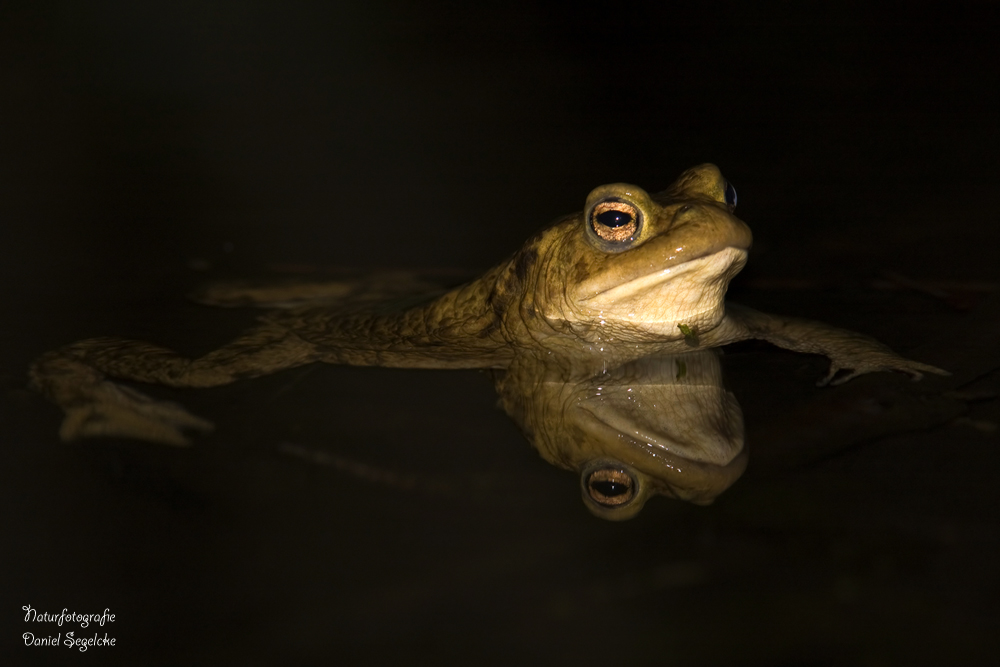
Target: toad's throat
x,y
673,439
709,268
691,293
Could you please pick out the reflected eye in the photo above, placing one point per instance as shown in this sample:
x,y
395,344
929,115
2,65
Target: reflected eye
x,y
730,197
610,487
615,221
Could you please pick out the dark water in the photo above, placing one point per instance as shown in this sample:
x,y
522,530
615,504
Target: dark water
x,y
147,149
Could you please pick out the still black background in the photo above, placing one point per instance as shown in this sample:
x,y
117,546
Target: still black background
x,y
147,148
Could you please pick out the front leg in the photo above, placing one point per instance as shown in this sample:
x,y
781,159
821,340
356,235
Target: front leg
x,y
847,350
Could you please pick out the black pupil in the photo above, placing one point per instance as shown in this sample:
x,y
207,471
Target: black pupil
x,y
613,218
609,489
730,195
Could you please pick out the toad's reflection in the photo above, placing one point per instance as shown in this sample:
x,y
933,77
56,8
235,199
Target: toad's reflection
x,y
659,425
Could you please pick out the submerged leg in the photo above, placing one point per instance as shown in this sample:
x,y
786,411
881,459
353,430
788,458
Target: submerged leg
x,y
331,293
847,350
75,378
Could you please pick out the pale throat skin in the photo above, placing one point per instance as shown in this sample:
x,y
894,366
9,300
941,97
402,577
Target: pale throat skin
x,y
633,274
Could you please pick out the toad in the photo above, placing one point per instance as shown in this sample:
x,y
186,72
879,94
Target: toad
x,y
632,275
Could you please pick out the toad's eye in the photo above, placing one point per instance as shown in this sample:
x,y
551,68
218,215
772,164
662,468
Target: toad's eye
x,y
730,197
615,221
610,487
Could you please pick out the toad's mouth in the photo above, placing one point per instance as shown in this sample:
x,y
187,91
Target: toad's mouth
x,y
709,267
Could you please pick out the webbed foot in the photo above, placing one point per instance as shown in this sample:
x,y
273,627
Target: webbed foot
x,y
113,410
872,361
